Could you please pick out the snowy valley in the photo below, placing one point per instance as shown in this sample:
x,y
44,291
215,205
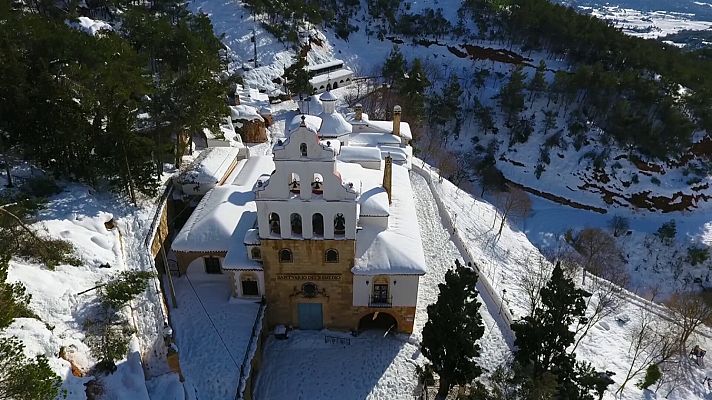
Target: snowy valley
x,y
565,192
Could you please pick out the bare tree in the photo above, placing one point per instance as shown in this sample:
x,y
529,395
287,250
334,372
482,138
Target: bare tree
x,y
618,225
674,374
537,271
599,255
691,311
447,164
512,204
603,302
650,343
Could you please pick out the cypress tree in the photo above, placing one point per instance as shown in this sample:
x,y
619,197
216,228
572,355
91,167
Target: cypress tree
x,y
454,326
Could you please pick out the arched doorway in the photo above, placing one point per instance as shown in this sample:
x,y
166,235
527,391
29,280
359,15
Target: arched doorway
x,y
379,321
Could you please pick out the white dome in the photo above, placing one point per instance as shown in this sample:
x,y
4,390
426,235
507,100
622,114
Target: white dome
x,y
333,125
327,96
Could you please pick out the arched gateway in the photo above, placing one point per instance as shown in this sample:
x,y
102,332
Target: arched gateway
x,y
378,321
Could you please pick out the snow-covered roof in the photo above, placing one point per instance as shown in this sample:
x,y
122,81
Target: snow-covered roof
x,y
223,212
374,203
327,96
254,167
387,126
237,257
210,166
312,122
213,222
333,76
252,237
358,153
333,125
311,105
374,139
364,125
328,64
397,249
245,112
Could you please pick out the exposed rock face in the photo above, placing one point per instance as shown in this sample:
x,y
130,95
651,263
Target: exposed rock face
x,y
251,130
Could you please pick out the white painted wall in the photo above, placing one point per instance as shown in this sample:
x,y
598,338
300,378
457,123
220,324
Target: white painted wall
x,y
237,281
402,288
377,221
306,209
197,267
275,196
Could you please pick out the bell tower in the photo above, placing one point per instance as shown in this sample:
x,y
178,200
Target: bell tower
x,y
306,217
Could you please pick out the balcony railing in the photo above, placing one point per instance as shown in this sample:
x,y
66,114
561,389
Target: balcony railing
x,y
380,302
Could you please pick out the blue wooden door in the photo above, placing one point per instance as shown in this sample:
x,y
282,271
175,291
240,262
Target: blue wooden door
x,y
310,316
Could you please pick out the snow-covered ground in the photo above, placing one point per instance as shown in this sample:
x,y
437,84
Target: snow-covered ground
x,y
650,18
78,215
502,260
212,334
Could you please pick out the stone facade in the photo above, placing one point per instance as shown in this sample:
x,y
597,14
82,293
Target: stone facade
x,y
334,281
284,280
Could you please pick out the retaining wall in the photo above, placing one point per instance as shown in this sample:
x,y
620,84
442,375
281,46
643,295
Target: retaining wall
x,y
487,291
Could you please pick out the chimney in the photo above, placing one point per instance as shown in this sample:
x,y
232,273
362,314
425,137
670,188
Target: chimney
x,y
358,112
387,176
396,120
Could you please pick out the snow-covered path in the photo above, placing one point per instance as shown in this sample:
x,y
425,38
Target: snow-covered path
x,y
440,254
212,334
372,366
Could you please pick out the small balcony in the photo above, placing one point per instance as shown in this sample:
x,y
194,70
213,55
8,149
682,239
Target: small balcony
x,y
380,302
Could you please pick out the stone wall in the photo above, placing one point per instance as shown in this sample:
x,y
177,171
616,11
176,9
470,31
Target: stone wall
x,y
283,282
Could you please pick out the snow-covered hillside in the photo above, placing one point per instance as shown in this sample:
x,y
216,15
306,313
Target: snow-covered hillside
x,y
570,175
650,19
63,297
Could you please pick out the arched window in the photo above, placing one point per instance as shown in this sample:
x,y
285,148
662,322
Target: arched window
x,y
317,184
274,224
331,256
256,253
318,224
294,183
303,149
248,281
285,256
296,221
339,224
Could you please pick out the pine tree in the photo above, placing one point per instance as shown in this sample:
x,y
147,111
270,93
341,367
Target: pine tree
x,y
107,335
542,340
511,99
412,92
22,378
454,326
298,77
538,83
14,300
394,67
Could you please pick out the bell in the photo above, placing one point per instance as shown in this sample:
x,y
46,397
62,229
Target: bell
x,y
339,223
294,185
275,226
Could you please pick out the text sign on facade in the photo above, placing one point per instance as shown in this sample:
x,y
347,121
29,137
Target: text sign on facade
x,y
309,277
